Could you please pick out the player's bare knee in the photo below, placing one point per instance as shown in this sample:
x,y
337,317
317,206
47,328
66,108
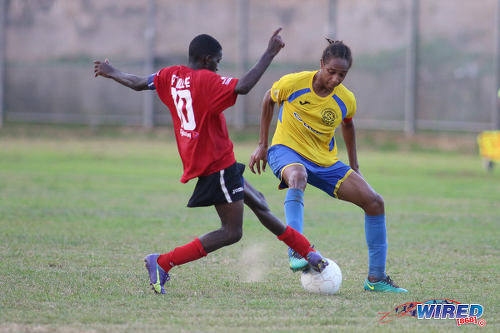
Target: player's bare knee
x,y
380,202
261,196
262,211
262,204
376,205
258,205
236,236
233,236
297,179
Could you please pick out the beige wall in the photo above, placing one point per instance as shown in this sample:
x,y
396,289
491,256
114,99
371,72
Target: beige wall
x,y
52,29
455,74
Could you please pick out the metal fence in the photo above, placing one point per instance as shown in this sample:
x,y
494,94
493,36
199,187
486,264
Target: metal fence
x,y
418,64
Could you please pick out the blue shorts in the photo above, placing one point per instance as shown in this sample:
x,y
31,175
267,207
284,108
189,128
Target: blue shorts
x,y
327,179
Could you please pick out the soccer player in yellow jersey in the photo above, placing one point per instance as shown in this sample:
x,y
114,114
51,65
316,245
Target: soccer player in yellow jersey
x,y
303,150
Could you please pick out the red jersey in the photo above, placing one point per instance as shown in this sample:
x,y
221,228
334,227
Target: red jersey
x,y
196,99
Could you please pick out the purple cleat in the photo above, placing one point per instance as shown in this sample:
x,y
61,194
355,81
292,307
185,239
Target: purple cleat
x,y
316,261
157,276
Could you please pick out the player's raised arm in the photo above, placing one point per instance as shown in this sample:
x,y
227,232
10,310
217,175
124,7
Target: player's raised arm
x,y
260,153
104,69
248,81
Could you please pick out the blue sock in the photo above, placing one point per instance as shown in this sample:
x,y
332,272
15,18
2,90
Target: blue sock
x,y
376,239
294,210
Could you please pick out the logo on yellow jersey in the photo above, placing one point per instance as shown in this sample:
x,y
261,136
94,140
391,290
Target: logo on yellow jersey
x,y
328,117
306,125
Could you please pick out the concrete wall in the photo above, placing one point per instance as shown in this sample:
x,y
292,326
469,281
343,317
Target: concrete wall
x,y
50,45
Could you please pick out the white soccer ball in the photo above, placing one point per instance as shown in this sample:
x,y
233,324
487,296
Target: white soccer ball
x,y
326,282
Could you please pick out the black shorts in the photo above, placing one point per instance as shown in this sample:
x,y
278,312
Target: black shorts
x,y
224,186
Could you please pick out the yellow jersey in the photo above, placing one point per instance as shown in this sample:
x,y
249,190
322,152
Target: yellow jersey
x,y
306,121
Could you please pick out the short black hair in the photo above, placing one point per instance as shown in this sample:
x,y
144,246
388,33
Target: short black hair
x,y
203,45
337,49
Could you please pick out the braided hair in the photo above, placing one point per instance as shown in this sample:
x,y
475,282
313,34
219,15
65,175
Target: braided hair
x,y
337,49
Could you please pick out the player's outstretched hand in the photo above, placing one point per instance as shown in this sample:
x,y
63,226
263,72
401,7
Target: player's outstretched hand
x,y
276,43
258,156
103,68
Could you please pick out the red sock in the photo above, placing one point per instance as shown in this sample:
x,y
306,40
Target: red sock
x,y
296,241
181,255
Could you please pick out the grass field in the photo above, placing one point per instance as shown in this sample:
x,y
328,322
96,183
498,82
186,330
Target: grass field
x,y
79,212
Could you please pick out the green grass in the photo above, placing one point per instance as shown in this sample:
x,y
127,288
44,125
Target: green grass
x,y
78,214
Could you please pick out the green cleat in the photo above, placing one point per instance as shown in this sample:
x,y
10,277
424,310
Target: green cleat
x,y
385,285
297,262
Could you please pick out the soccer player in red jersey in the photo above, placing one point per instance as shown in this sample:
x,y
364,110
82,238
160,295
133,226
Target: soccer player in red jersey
x,y
196,97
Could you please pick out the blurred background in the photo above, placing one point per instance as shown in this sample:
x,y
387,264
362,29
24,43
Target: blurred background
x,y
418,64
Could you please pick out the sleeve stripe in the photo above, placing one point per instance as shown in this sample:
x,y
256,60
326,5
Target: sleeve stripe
x,y
151,82
297,94
341,104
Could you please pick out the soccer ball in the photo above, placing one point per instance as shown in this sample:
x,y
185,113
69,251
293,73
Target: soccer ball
x,y
326,282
